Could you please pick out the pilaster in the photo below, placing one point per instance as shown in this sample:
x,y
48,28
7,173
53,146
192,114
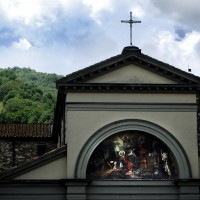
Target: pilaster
x,y
189,189
76,189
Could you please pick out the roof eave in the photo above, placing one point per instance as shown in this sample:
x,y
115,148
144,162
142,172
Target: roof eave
x,y
139,59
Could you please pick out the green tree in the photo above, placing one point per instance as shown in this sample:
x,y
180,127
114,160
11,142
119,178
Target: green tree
x,y
7,87
27,96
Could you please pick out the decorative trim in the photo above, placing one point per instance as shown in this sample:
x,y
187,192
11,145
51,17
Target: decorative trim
x,y
116,87
147,107
134,124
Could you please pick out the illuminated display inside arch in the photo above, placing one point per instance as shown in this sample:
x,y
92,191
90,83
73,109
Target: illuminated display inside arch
x,y
132,155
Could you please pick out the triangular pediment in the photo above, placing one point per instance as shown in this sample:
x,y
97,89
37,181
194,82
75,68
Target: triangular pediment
x,y
130,67
132,74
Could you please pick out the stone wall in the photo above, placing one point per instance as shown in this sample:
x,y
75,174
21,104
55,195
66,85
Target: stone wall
x,y
6,154
17,153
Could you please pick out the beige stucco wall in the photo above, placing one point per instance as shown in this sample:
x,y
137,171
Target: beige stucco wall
x,y
131,74
82,124
131,98
54,170
199,165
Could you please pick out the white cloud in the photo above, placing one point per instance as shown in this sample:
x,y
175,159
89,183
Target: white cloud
x,y
179,53
31,12
97,6
22,44
138,12
21,10
72,34
189,42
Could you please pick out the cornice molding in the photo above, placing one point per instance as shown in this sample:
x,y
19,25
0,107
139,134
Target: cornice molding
x,y
130,107
117,87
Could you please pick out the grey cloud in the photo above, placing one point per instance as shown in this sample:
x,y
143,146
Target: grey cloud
x,y
180,33
183,13
7,36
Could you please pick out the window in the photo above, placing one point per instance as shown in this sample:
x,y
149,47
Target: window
x,y
41,149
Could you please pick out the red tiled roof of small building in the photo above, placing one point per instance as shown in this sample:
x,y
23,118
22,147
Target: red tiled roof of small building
x,y
26,130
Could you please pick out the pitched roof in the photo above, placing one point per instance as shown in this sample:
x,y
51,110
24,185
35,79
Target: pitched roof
x,y
79,80
129,55
40,161
26,130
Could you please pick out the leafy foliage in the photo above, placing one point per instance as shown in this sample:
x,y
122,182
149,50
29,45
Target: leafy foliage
x,y
27,96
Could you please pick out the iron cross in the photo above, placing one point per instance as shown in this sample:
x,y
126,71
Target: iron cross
x,y
130,21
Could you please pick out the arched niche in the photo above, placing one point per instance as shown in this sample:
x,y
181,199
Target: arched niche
x,y
139,126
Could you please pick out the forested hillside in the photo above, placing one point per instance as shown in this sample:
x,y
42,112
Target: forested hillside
x,y
27,96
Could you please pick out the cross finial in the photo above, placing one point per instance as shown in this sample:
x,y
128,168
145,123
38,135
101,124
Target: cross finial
x,y
130,21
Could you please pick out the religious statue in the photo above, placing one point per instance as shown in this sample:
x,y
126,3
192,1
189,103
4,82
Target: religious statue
x,y
166,166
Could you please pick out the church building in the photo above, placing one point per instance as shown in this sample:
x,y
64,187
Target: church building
x,y
128,128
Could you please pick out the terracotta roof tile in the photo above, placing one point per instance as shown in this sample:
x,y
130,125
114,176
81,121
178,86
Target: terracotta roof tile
x,y
25,130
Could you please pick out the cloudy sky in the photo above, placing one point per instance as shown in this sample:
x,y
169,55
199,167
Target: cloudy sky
x,y
62,36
